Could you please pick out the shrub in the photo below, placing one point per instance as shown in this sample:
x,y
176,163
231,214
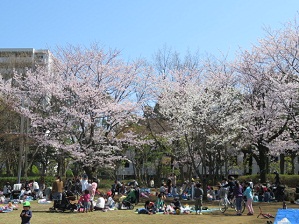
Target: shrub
x,y
69,173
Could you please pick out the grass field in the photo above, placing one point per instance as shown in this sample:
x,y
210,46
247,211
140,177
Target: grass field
x,y
42,215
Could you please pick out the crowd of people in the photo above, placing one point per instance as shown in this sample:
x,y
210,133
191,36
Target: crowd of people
x,y
175,206
31,189
127,194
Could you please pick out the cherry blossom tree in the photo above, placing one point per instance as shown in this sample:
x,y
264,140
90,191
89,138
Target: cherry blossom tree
x,y
269,79
81,103
202,106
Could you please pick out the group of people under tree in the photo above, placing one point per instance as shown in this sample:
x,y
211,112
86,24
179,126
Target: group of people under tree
x,y
25,189
88,188
175,206
252,193
84,188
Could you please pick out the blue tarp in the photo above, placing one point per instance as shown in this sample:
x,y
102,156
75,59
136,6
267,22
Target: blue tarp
x,y
291,214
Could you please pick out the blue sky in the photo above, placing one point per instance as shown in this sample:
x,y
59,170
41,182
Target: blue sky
x,y
140,27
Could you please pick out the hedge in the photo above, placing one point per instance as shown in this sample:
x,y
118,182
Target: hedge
x,y
285,179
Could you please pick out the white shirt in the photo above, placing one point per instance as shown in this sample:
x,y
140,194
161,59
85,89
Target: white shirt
x,y
84,184
110,202
35,186
100,202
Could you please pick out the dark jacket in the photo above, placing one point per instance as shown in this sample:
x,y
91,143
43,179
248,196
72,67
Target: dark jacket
x,y
26,219
198,192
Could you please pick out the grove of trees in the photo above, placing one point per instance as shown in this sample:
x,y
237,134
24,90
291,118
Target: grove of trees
x,y
91,108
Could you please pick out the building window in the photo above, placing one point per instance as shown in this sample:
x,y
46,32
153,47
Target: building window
x,y
127,165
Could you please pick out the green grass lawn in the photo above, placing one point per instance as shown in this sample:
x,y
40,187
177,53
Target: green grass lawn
x,y
42,215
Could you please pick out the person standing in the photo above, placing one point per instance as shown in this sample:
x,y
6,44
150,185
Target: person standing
x,y
198,193
84,183
249,197
35,187
238,194
57,188
93,189
26,214
230,185
192,189
85,200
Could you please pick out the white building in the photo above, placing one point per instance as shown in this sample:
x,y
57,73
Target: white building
x,y
128,169
20,59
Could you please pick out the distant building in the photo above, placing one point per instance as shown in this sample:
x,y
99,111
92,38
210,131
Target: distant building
x,y
21,59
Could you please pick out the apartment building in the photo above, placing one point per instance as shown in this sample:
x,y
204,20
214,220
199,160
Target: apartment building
x,y
20,59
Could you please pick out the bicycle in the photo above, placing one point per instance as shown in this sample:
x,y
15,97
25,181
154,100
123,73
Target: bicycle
x,y
265,215
225,203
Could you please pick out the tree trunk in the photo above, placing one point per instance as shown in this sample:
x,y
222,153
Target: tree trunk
x,y
250,164
158,179
245,160
182,174
281,163
262,162
293,157
90,171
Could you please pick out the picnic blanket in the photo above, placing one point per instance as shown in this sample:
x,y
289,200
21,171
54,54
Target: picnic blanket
x,y
184,211
43,201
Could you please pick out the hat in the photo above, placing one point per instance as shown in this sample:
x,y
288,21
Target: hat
x,y
26,204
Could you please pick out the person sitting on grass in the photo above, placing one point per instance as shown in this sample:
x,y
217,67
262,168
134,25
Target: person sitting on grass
x,y
177,205
100,205
160,204
267,196
150,207
110,202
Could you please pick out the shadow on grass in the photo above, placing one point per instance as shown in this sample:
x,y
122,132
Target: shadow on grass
x,y
58,212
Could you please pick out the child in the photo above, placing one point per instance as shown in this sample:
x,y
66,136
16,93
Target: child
x,y
198,193
110,202
267,196
26,214
249,196
255,198
85,200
